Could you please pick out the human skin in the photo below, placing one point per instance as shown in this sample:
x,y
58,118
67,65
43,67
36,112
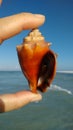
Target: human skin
x,y
12,25
0,2
9,27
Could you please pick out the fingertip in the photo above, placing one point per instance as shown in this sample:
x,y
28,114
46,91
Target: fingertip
x,y
33,20
36,97
40,16
40,19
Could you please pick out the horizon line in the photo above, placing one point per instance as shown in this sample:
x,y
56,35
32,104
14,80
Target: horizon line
x,y
58,71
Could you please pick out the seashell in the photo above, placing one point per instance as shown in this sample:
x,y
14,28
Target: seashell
x,y
37,61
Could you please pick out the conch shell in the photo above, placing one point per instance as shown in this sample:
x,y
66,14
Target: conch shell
x,y
37,61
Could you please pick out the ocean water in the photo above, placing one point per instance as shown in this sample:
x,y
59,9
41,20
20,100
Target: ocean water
x,y
54,112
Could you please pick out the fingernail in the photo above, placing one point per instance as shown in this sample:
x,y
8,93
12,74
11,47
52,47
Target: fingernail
x,y
36,98
40,15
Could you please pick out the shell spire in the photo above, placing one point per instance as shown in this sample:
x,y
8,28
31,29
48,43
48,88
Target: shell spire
x,y
34,35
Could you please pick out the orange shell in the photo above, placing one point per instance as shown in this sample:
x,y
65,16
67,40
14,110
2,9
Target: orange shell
x,y
38,64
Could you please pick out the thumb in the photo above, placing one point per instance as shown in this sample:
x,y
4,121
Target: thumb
x,y
36,97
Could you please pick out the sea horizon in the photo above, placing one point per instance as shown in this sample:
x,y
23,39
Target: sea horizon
x,y
58,71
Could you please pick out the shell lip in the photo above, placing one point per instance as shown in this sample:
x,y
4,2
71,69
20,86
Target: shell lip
x,y
47,71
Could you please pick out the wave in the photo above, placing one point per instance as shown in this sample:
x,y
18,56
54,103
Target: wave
x,y
58,88
66,72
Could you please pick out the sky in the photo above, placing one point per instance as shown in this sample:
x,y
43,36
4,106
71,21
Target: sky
x,y
58,29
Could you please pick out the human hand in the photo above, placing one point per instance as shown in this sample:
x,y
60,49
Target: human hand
x,y
12,25
9,27
9,102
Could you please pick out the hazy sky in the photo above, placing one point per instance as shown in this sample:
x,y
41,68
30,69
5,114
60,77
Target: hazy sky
x,y
58,29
